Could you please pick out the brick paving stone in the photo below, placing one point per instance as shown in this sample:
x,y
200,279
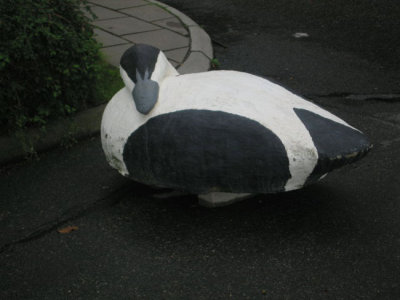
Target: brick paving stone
x,y
126,25
173,24
107,39
148,12
119,4
105,13
139,21
113,54
177,55
162,39
174,63
185,19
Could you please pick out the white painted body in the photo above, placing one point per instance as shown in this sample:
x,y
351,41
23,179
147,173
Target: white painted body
x,y
229,91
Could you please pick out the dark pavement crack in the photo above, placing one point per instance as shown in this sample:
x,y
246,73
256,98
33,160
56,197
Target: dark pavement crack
x,y
391,97
72,213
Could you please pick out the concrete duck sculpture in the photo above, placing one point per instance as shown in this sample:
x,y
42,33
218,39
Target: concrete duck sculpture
x,y
220,134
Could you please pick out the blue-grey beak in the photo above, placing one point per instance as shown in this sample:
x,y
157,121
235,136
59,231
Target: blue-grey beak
x,y
145,93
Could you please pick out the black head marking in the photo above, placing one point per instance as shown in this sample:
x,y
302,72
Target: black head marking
x,y
139,58
337,144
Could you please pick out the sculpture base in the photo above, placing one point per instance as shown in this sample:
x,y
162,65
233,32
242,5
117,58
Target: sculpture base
x,y
217,199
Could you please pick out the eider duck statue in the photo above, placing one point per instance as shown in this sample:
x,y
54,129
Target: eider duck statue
x,y
222,135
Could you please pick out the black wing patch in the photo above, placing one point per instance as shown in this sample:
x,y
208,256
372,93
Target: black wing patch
x,y
337,144
201,151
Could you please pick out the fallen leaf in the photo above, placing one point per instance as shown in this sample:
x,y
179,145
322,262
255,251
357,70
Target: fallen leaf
x,y
264,292
67,229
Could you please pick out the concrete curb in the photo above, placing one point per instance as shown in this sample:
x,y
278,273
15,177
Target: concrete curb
x,y
201,51
87,123
82,125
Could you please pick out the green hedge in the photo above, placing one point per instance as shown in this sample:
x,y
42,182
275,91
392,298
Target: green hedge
x,y
49,61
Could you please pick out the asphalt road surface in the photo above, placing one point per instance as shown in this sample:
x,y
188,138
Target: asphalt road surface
x,y
339,238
